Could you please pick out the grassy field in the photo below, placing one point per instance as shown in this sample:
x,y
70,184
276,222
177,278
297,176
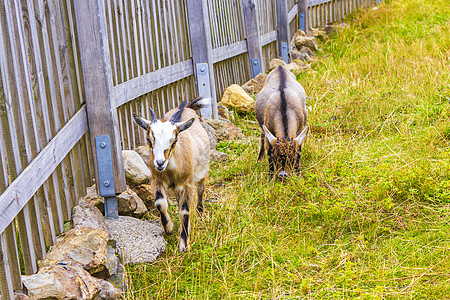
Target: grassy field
x,y
368,217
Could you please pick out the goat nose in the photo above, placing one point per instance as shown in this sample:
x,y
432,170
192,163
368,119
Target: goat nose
x,y
159,163
283,175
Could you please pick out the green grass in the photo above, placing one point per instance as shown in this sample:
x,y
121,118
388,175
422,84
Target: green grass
x,y
368,217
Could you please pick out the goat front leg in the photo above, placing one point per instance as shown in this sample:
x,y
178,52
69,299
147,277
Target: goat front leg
x,y
162,206
200,191
184,196
297,162
271,162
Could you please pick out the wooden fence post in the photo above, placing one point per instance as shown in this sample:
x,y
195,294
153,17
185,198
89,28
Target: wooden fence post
x,y
253,37
303,15
283,30
98,84
201,46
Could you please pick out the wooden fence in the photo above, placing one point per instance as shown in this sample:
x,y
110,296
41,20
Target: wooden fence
x,y
73,70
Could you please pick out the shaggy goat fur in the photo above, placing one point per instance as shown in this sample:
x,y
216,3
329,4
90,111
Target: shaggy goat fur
x,y
179,161
281,113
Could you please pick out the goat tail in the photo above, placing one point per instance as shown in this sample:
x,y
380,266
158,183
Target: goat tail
x,y
199,103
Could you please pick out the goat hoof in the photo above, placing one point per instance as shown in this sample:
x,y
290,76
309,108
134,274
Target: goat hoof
x,y
168,229
183,248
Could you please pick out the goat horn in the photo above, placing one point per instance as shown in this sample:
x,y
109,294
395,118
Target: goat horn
x,y
154,117
177,116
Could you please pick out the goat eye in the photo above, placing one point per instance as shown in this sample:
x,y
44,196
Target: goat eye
x,y
149,142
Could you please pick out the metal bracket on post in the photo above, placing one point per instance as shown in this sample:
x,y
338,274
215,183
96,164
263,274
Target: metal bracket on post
x,y
256,66
204,87
106,175
301,21
284,52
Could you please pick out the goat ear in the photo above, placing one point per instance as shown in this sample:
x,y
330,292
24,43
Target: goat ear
x,y
302,135
183,126
270,137
141,122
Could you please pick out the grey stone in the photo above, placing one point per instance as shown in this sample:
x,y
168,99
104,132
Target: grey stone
x,y
119,280
225,130
234,97
93,248
93,198
318,33
225,113
304,54
255,85
141,208
126,203
276,62
300,39
68,281
136,171
211,135
144,191
87,215
144,152
129,203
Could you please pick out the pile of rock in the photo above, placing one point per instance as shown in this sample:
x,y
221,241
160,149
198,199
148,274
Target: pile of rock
x,y
87,261
82,265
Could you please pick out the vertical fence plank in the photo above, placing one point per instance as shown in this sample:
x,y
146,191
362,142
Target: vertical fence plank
x,y
132,56
200,37
176,29
6,285
253,37
120,73
74,172
156,36
84,159
13,256
95,59
125,47
142,44
148,45
138,64
111,36
283,30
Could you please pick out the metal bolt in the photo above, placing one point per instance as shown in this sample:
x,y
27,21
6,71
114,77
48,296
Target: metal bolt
x,y
202,69
255,62
106,183
103,145
284,46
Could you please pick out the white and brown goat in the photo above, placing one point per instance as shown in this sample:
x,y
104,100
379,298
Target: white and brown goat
x,y
179,159
281,113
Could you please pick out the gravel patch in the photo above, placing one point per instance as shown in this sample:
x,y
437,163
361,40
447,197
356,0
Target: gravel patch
x,y
138,241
